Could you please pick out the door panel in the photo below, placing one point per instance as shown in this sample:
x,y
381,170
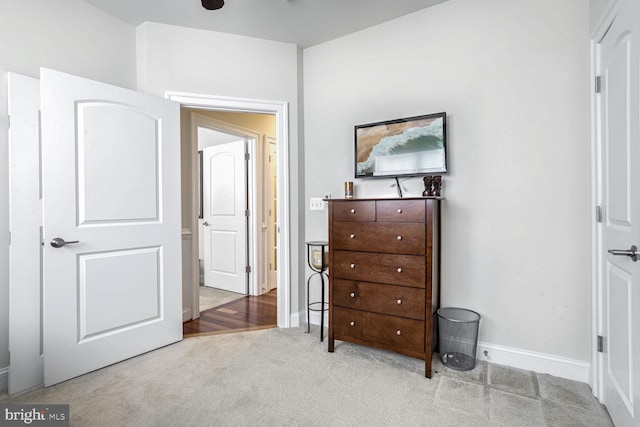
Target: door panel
x,y
105,190
224,246
111,183
225,222
619,363
620,174
130,279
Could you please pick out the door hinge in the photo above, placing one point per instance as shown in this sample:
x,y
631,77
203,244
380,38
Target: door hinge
x,y
600,344
598,213
8,122
598,87
246,212
247,156
247,269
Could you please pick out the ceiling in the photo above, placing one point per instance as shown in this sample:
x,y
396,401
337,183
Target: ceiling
x,y
303,22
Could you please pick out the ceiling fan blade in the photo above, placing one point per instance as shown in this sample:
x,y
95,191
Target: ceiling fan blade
x,y
212,4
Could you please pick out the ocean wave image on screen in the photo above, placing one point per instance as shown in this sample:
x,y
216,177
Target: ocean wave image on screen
x,y
415,150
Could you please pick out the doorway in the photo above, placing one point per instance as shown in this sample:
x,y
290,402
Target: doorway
x,y
212,134
243,105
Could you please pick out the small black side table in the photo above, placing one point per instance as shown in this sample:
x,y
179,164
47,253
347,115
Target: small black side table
x,y
318,269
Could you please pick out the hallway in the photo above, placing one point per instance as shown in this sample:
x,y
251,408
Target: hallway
x,y
244,314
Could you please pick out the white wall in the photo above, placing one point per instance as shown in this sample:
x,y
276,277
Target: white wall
x,y
513,79
67,35
180,59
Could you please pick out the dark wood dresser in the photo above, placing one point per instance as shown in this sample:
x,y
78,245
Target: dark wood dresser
x,y
384,274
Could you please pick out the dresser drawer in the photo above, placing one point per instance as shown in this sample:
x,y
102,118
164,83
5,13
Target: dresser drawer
x,y
354,211
405,270
395,238
400,211
397,332
384,299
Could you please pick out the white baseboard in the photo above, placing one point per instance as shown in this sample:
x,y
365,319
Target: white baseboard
x,y
300,318
295,319
186,314
4,380
314,318
542,363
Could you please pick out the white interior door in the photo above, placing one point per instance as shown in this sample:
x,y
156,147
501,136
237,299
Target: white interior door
x,y
25,251
271,184
111,186
225,220
620,173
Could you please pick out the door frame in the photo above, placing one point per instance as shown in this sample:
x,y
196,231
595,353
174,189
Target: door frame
x,y
25,252
280,110
597,252
253,236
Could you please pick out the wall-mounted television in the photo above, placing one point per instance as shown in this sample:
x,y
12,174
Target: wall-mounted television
x,y
402,147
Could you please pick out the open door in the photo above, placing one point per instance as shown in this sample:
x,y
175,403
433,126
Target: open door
x,y
619,125
225,219
111,192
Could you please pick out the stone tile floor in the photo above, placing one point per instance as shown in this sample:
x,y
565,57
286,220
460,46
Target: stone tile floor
x,y
495,395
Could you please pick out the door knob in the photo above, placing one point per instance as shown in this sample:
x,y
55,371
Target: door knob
x,y
59,242
206,224
632,252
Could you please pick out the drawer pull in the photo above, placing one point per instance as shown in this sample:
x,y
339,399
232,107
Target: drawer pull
x,y
399,270
399,237
353,236
399,301
352,294
352,323
398,332
353,266
399,210
353,211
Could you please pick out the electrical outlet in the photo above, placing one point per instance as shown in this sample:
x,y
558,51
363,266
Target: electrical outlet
x,y
316,204
326,197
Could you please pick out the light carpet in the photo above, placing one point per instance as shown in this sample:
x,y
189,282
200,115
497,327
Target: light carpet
x,y
285,377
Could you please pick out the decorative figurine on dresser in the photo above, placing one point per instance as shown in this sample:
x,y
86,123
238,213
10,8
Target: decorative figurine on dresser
x,y
384,274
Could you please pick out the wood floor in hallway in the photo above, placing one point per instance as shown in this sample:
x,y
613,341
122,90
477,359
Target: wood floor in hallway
x,y
244,314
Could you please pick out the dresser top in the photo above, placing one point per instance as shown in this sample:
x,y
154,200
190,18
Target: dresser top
x,y
383,198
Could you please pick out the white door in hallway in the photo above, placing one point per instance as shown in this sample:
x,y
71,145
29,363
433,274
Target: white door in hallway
x,y
225,220
271,184
112,242
619,128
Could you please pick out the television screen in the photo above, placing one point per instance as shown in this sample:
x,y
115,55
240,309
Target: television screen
x,y
402,147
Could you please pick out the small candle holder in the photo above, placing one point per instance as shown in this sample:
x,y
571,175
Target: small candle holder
x,y
348,190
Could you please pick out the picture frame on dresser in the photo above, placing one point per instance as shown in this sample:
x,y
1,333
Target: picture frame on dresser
x,y
384,283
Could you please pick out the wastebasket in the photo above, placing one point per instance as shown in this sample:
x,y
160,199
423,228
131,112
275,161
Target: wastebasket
x,y
458,337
